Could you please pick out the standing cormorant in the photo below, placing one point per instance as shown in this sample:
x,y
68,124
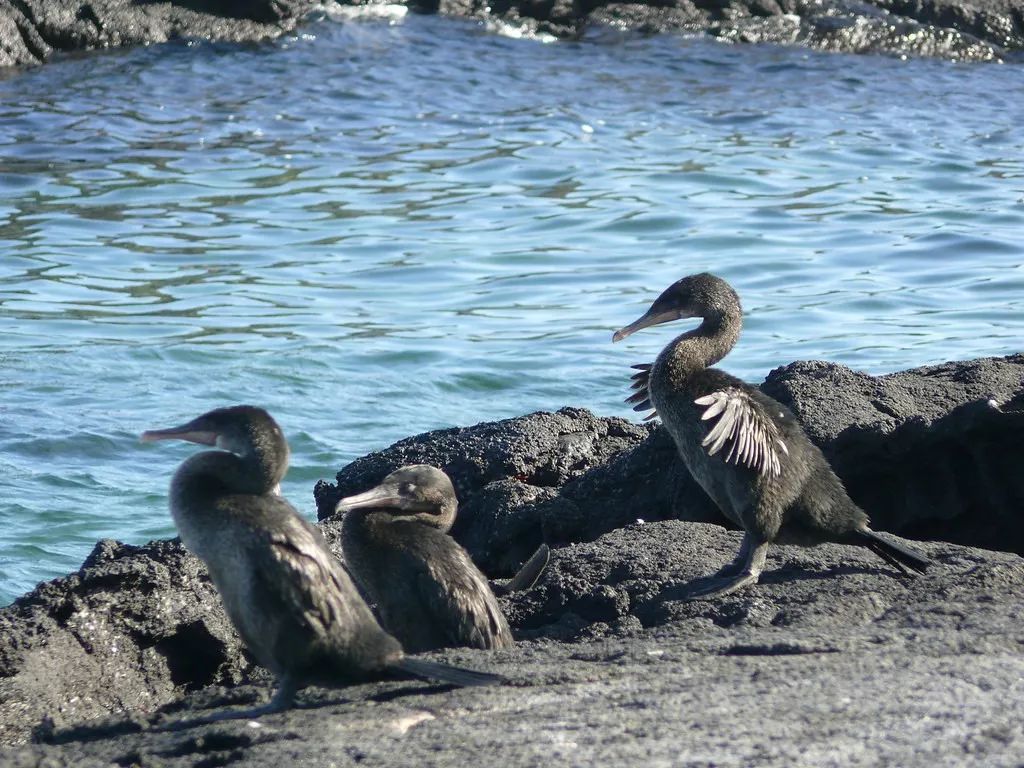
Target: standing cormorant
x,y
287,595
745,449
427,591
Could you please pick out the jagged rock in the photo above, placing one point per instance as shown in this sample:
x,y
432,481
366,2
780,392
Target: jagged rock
x,y
834,659
907,671
32,31
132,630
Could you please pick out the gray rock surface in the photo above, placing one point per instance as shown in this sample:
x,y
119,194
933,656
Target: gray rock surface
x,y
832,659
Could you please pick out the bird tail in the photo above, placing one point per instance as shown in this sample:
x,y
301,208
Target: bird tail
x,y
897,555
446,673
532,569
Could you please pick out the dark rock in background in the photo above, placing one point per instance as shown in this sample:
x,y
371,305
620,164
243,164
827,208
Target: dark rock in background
x,y
834,653
526,480
974,30
553,477
32,31
923,451
961,31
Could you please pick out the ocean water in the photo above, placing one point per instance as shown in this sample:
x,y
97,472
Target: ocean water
x,y
385,226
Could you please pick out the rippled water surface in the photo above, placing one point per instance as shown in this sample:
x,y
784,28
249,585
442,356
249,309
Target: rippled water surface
x,y
381,228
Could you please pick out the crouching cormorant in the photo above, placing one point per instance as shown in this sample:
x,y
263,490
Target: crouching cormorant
x,y
427,591
524,579
287,595
745,449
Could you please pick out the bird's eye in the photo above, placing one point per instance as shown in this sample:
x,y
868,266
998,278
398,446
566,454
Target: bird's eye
x,y
407,488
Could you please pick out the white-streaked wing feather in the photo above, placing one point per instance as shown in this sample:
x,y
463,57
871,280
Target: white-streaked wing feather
x,y
752,437
641,397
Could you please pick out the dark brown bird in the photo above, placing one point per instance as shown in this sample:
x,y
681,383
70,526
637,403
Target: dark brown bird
x,y
426,589
745,449
287,595
527,575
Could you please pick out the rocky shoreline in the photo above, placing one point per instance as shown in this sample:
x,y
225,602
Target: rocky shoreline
x,y
34,31
833,659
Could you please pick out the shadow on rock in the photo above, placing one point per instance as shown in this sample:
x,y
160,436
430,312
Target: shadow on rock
x,y
637,577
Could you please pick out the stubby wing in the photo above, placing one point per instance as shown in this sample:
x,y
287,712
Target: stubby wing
x,y
463,602
641,398
296,571
744,430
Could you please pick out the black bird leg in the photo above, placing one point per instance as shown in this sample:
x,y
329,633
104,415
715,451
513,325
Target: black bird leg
x,y
282,699
742,572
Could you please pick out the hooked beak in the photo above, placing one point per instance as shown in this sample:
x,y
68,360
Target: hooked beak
x,y
648,319
381,496
385,496
191,432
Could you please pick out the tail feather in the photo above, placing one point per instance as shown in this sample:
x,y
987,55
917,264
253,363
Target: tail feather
x,y
532,569
435,670
883,553
899,555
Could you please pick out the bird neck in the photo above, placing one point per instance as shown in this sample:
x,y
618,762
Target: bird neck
x,y
385,522
365,533
219,472
708,343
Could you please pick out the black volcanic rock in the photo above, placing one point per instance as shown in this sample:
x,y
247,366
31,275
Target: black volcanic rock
x,y
535,478
959,31
832,654
966,30
32,31
132,630
832,660
923,451
929,452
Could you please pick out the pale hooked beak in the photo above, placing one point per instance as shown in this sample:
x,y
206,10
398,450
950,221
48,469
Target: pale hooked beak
x,y
381,496
646,320
191,432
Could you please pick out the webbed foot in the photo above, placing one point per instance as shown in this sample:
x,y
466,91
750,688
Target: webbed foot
x,y
735,568
742,572
719,587
282,700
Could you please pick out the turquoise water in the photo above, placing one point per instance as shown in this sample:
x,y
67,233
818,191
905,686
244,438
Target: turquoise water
x,y
383,227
